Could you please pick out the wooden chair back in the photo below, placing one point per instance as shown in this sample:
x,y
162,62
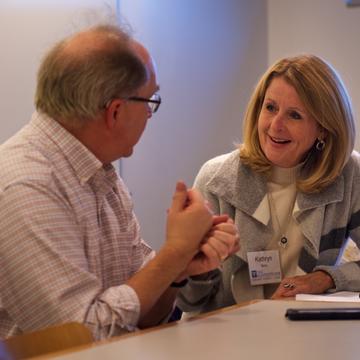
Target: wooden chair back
x,y
45,341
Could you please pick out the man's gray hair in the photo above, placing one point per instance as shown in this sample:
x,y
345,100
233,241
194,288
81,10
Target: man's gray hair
x,y
73,87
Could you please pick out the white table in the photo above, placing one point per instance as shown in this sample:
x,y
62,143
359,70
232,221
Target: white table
x,y
256,331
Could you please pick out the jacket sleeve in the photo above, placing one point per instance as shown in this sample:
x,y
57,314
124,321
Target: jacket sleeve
x,y
200,289
346,275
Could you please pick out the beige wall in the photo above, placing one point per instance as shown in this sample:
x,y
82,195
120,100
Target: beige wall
x,y
209,55
27,29
327,28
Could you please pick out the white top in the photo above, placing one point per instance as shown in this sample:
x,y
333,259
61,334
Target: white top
x,y
282,199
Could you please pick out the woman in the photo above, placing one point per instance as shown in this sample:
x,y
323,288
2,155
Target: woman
x,y
292,188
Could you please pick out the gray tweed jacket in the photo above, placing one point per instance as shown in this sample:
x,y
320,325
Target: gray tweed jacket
x,y
326,219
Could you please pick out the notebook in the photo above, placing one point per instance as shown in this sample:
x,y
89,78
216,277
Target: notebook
x,y
340,296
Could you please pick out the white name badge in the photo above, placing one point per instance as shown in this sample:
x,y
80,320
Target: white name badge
x,y
264,267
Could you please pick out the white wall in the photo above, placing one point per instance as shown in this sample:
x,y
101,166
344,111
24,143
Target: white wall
x,y
327,28
27,29
209,53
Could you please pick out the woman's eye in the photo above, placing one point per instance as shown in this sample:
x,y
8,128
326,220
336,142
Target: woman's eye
x,y
270,107
295,115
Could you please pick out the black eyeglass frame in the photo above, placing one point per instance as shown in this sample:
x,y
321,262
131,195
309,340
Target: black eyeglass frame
x,y
157,102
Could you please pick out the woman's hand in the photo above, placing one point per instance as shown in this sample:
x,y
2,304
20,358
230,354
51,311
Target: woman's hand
x,y
314,283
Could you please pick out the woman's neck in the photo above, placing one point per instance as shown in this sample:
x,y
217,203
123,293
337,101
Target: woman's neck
x,y
284,176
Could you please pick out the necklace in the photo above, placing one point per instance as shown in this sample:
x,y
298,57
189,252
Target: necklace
x,y
283,241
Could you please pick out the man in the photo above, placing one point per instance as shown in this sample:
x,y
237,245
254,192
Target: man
x,y
69,241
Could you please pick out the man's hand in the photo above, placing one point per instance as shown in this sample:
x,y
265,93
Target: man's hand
x,y
189,220
221,242
314,283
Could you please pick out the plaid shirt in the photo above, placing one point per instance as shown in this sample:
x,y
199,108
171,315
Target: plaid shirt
x,y
68,237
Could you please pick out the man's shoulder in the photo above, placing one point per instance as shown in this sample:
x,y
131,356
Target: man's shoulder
x,y
22,159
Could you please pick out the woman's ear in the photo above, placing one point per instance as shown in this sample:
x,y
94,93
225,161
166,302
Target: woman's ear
x,y
323,133
112,112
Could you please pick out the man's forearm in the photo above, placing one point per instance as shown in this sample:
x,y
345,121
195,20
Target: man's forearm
x,y
152,282
160,310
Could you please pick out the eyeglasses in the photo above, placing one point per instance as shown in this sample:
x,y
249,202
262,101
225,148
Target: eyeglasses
x,y
153,102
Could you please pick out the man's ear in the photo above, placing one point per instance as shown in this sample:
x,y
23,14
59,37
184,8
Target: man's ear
x,y
112,112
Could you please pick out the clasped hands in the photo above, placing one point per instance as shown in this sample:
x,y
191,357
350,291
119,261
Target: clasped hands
x,y
202,238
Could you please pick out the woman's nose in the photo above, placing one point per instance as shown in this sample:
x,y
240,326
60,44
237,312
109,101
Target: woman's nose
x,y
278,122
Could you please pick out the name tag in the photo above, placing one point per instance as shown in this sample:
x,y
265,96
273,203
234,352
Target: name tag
x,y
264,267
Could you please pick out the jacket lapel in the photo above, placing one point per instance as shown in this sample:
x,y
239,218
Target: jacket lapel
x,y
246,191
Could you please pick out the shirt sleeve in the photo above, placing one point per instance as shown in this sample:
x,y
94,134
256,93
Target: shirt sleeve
x,y
45,280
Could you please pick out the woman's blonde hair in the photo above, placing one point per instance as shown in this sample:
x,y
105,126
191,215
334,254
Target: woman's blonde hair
x,y
324,96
